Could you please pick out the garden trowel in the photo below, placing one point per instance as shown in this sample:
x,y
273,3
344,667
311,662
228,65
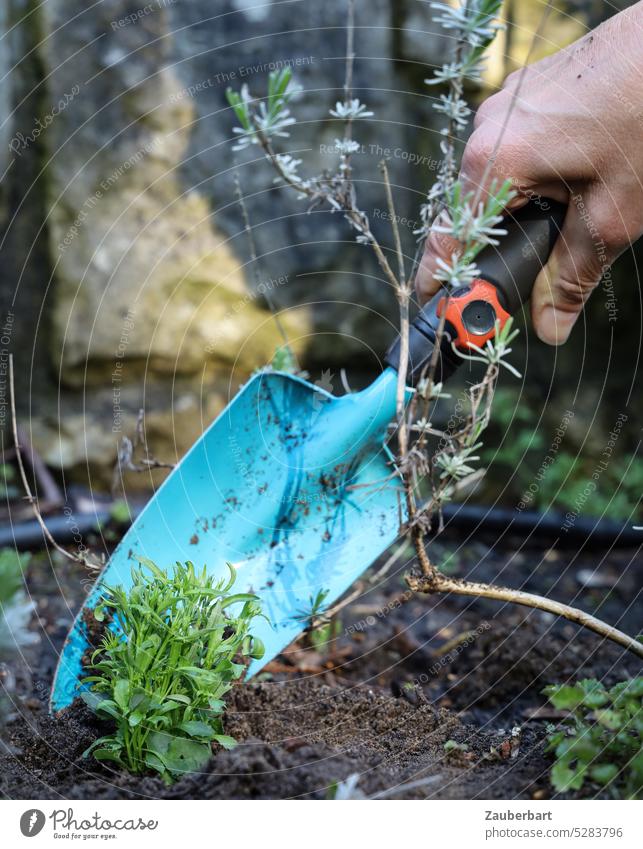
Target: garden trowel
x,y
296,488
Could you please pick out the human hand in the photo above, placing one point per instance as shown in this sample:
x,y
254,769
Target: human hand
x,y
569,127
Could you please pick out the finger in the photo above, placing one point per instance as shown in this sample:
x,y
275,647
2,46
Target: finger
x,y
477,174
571,274
487,161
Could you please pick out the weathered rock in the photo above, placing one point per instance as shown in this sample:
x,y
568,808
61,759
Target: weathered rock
x,y
85,437
142,272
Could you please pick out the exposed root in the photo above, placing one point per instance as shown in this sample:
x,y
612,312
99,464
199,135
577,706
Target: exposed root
x,y
439,583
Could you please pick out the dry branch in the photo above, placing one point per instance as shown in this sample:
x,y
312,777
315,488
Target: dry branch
x,y
29,496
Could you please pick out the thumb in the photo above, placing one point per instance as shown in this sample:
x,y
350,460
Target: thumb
x,y
571,274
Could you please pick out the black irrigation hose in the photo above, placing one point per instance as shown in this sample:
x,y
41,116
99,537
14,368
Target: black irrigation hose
x,y
28,535
565,529
537,526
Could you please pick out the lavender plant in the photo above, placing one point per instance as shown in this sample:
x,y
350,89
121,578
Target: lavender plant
x,y
472,219
473,222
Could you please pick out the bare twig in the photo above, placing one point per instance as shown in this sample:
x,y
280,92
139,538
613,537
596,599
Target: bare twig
x,y
332,190
247,226
394,225
447,469
128,448
30,498
403,291
51,491
348,89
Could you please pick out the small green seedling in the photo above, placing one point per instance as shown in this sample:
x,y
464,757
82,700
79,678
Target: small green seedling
x,y
162,672
454,746
315,610
320,629
285,360
601,740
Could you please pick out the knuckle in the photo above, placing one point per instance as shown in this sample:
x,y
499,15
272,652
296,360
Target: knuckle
x,y
614,233
491,111
506,159
440,244
574,291
477,154
512,79
608,229
484,112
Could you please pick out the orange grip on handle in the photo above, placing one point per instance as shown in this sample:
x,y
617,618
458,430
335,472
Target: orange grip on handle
x,y
473,314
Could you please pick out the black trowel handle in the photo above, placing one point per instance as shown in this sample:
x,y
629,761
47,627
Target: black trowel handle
x,y
507,275
514,265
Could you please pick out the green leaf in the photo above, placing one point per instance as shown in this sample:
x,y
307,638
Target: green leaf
x,y
179,754
135,718
258,649
196,728
225,741
154,569
563,778
121,694
604,773
143,660
609,719
180,698
581,747
564,696
91,699
106,742
235,599
453,745
154,762
107,755
632,688
140,701
595,693
107,706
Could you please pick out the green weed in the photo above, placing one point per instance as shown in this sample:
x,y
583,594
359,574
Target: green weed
x,y
601,741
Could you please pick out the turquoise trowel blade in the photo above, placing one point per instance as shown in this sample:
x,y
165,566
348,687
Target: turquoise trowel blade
x,y
291,485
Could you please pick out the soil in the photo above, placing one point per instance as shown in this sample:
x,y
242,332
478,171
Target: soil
x,y
404,676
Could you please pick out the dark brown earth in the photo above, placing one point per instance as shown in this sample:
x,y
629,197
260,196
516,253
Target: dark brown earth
x,y
404,676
